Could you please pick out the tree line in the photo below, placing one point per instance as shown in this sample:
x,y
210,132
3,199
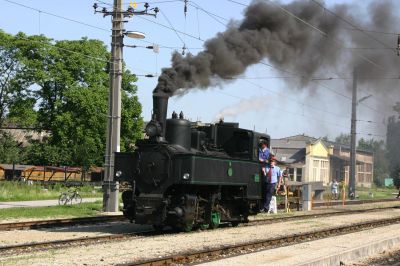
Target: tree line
x,y
61,87
386,154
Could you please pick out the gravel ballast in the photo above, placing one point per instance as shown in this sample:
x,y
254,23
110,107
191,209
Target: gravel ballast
x,y
156,246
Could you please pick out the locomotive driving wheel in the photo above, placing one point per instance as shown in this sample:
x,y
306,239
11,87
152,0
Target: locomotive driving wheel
x,y
212,216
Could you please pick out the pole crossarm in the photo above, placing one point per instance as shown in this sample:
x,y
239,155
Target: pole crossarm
x,y
127,13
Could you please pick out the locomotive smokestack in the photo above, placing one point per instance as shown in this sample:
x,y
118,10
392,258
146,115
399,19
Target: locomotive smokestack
x,y
155,129
160,107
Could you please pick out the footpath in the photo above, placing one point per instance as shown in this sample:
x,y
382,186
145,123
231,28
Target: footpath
x,y
37,203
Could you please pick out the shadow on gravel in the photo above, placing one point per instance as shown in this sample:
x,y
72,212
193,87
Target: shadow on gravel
x,y
108,228
121,227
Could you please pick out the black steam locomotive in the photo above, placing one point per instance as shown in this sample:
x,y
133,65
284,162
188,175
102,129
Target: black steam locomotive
x,y
188,176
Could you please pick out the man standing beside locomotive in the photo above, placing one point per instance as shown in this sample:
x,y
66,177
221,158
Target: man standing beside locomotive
x,y
273,176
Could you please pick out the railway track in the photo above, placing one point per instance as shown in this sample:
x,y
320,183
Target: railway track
x,y
352,202
210,254
115,218
70,242
138,234
317,215
59,222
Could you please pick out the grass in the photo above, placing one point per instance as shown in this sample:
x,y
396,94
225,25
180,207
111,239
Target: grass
x,y
18,191
376,193
68,211
364,193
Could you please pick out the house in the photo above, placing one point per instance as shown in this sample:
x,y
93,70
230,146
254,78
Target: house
x,y
24,135
39,173
311,160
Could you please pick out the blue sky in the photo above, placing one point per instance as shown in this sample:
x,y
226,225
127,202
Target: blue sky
x,y
265,104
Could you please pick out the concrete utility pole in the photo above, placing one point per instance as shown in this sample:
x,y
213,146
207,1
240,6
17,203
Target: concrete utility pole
x,y
110,186
352,170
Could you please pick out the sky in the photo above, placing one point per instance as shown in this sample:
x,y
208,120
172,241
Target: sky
x,y
260,101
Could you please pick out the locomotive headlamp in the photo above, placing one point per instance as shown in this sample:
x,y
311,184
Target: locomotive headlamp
x,y
118,173
153,128
186,176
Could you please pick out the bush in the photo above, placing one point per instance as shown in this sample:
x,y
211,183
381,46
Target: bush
x,y
396,177
378,181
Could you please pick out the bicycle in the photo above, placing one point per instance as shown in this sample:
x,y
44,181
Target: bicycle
x,y
71,196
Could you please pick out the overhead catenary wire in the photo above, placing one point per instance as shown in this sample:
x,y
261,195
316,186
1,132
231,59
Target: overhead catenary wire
x,y
55,15
320,31
297,76
82,54
170,28
324,34
184,33
212,15
87,24
142,2
351,24
322,121
95,27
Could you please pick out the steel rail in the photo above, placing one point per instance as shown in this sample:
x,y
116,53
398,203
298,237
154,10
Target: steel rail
x,y
318,215
74,241
100,239
351,202
59,222
26,225
209,254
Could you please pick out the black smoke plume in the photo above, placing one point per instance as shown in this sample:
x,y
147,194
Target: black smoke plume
x,y
267,32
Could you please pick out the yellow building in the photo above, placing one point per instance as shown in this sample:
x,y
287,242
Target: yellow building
x,y
316,160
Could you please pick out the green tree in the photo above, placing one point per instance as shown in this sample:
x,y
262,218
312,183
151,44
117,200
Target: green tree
x,y
73,95
10,151
381,166
62,87
396,177
43,153
343,139
131,119
16,98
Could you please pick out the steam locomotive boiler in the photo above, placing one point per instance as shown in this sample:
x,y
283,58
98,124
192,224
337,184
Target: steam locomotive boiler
x,y
187,176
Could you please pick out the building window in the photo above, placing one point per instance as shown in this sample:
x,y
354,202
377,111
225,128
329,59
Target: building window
x,y
320,170
291,174
299,173
315,170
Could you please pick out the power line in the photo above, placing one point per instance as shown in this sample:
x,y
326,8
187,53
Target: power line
x,y
170,28
57,16
212,15
90,25
289,112
294,100
81,54
302,115
314,28
317,78
351,24
373,31
149,2
320,31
